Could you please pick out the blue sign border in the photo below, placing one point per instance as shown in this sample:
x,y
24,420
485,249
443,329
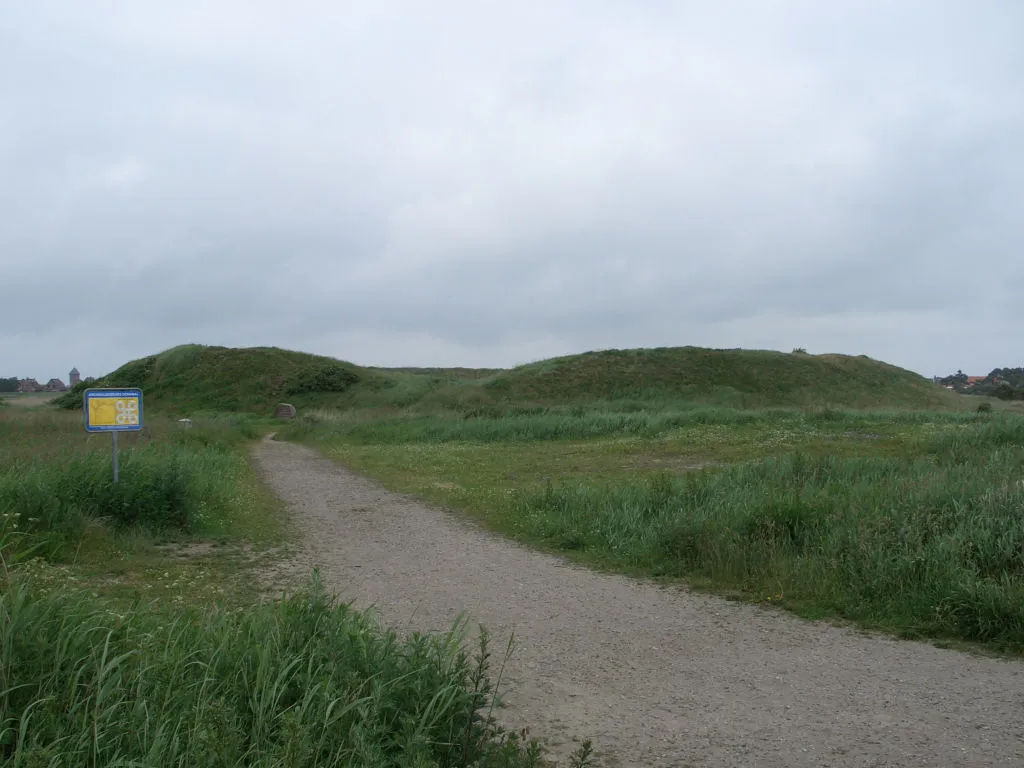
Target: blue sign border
x,y
104,393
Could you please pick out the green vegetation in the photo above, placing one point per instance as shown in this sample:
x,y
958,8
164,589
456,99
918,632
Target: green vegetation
x,y
118,649
675,463
1003,383
908,521
301,682
728,377
578,422
195,378
833,486
929,544
55,482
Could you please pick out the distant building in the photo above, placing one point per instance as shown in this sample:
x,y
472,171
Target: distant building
x,y
29,385
55,385
74,377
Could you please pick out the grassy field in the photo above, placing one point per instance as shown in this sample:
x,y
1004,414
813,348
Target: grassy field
x,y
25,399
835,487
133,630
59,504
135,624
907,521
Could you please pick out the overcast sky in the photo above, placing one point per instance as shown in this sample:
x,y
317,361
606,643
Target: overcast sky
x,y
486,184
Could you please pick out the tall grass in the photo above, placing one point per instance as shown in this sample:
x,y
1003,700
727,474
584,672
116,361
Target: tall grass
x,y
489,424
302,682
161,487
908,520
91,681
931,543
54,480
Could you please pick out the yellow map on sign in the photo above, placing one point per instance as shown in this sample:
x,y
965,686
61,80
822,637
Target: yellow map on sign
x,y
113,412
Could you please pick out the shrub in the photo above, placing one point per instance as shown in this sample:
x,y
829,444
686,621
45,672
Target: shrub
x,y
322,378
1004,391
984,407
72,399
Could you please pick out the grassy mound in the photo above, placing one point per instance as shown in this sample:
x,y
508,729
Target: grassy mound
x,y
194,377
732,377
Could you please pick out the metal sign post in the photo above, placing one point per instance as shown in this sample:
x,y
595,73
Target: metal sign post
x,y
113,410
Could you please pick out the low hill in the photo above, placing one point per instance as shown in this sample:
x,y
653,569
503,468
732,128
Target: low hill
x,y
736,377
196,378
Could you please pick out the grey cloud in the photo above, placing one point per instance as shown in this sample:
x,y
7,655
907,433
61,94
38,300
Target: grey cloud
x,y
385,182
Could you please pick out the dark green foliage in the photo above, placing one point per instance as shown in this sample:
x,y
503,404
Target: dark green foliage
x,y
323,377
1005,391
72,399
956,380
1004,383
9,384
301,682
789,521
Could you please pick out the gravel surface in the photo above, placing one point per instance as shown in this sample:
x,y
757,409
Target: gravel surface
x,y
654,676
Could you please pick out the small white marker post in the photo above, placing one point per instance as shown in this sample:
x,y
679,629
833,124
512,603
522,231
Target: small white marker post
x,y
113,411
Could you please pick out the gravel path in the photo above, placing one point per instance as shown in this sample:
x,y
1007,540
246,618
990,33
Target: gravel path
x,y
655,676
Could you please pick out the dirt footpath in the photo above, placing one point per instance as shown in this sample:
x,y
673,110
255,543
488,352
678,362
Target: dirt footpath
x,y
655,677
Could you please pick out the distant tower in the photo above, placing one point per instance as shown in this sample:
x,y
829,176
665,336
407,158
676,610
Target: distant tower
x,y
75,376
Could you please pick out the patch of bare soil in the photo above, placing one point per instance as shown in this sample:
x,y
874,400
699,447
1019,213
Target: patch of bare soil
x,y
655,676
